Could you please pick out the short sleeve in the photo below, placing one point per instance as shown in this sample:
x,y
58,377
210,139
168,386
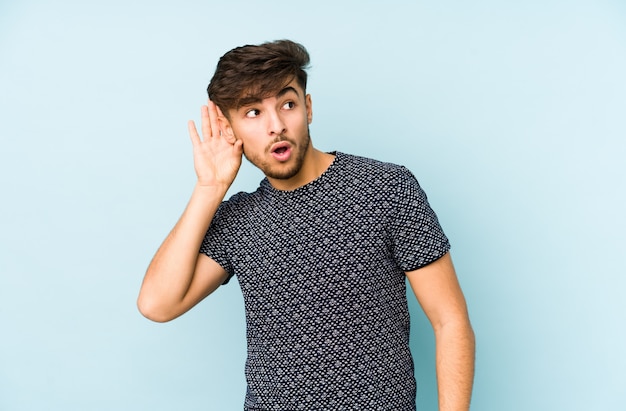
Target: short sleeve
x,y
417,236
213,244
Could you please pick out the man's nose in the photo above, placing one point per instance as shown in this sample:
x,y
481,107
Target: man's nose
x,y
276,125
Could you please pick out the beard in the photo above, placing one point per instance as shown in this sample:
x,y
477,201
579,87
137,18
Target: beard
x,y
281,171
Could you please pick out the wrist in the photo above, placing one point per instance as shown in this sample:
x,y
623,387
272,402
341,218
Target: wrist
x,y
210,194
211,188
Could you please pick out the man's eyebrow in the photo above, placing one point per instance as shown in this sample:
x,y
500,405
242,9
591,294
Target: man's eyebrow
x,y
248,101
287,90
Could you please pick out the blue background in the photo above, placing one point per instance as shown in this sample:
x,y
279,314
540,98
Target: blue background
x,y
512,115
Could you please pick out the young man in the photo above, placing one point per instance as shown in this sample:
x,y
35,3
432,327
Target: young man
x,y
322,250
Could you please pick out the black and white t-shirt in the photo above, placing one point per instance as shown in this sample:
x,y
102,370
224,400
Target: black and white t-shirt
x,y
322,269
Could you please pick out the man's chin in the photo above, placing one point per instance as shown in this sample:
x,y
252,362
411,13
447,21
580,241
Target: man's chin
x,y
282,174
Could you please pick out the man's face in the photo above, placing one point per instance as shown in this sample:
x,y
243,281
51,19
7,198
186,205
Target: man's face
x,y
275,131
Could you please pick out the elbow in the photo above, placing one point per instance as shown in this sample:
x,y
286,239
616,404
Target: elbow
x,y
458,333
151,310
459,325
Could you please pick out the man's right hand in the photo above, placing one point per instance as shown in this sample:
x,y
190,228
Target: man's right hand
x,y
217,156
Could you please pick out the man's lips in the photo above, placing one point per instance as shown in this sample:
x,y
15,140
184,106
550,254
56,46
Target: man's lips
x,y
281,151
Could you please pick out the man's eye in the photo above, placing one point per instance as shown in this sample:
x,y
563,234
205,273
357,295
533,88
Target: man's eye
x,y
252,113
289,105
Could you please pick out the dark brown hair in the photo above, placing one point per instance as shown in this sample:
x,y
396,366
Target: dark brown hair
x,y
257,72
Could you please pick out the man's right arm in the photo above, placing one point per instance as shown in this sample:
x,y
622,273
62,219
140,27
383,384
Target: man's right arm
x,y
179,276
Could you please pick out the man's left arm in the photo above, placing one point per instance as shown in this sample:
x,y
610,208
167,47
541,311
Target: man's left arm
x,y
438,291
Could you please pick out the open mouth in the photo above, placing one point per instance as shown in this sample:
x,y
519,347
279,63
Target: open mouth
x,y
281,151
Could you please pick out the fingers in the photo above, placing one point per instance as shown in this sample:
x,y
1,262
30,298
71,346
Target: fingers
x,y
210,124
238,146
219,111
206,123
193,133
213,119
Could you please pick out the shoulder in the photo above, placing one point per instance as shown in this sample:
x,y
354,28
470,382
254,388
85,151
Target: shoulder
x,y
375,171
389,184
239,204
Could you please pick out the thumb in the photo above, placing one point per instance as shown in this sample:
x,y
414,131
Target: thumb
x,y
238,145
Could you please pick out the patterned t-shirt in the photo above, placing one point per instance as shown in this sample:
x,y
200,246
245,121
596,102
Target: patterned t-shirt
x,y
321,269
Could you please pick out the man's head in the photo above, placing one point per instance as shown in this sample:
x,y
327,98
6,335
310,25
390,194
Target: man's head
x,y
261,91
251,73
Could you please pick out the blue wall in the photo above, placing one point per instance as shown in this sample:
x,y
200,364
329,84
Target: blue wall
x,y
511,114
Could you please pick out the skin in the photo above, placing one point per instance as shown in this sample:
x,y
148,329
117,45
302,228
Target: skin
x,y
438,291
273,134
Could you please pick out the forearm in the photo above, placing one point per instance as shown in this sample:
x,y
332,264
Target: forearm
x,y
170,273
455,365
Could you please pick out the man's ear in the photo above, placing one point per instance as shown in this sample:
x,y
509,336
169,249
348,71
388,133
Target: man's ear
x,y
309,108
226,129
